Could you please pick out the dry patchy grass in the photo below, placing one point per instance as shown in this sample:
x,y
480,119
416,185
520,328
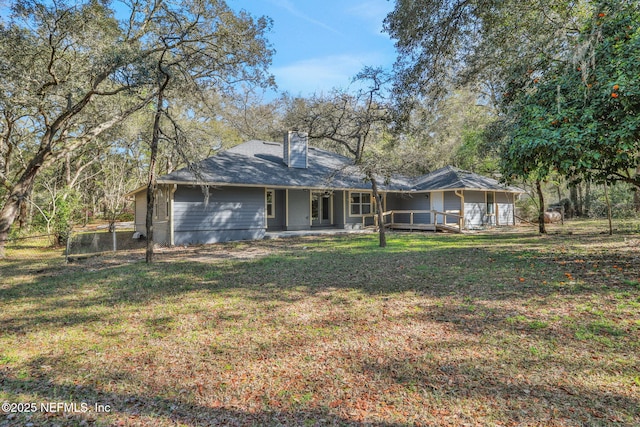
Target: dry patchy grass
x,y
487,329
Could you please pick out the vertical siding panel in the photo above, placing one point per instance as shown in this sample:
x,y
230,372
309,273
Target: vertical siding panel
x,y
475,208
505,208
299,210
452,203
278,223
140,220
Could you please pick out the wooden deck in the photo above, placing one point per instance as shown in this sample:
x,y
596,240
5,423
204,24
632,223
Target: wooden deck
x,y
423,220
411,227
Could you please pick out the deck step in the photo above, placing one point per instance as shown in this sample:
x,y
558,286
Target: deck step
x,y
444,227
400,226
424,227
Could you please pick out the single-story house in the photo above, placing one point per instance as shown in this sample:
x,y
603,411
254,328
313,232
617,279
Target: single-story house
x,y
260,186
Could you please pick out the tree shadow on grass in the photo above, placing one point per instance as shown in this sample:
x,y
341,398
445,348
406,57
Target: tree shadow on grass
x,y
143,410
492,273
465,280
522,399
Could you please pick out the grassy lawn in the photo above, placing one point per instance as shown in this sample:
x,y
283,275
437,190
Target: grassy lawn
x,y
485,329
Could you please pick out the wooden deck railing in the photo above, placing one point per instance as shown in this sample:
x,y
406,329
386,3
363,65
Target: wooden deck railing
x,y
437,220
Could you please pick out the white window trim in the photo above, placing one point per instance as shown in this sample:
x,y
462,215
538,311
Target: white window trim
x,y
273,203
360,215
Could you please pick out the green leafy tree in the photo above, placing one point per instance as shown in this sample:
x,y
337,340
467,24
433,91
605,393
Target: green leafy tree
x,y
449,132
70,71
446,44
581,117
200,45
61,65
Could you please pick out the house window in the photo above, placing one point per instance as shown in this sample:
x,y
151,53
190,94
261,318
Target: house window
x,y
491,205
360,204
271,200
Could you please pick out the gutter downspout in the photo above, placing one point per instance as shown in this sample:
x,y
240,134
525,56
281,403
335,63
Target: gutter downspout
x,y
171,223
460,193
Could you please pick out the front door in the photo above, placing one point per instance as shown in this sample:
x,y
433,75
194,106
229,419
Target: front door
x,y
437,204
320,209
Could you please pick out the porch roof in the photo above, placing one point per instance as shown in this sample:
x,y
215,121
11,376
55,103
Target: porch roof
x,y
452,178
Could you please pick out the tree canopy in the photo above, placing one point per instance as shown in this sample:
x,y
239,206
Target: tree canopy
x,y
581,116
72,71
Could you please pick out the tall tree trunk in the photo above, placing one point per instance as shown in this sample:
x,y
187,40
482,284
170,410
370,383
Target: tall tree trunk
x,y
560,205
381,229
608,201
541,225
587,199
22,216
573,195
151,183
18,196
581,200
636,192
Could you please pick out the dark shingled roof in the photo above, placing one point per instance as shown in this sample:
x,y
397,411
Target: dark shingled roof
x,y
451,178
260,163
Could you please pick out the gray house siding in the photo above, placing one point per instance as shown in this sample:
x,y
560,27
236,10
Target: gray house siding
x,y
505,203
452,203
140,212
397,202
475,208
353,222
279,222
161,216
299,210
237,207
406,201
233,213
394,201
338,206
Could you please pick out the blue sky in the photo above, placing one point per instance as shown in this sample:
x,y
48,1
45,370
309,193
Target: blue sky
x,y
322,44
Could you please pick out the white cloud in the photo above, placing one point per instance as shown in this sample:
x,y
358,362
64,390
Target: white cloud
x,y
290,7
373,12
320,74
